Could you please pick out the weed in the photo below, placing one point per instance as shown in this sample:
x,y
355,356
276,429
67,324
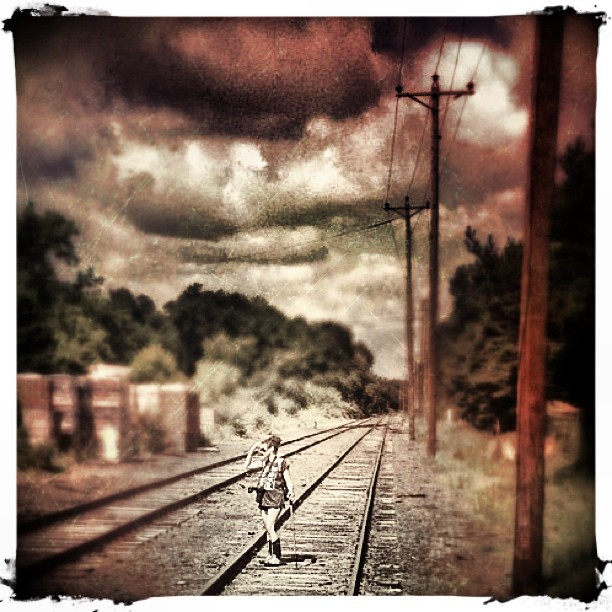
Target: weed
x,y
40,457
153,433
238,427
468,461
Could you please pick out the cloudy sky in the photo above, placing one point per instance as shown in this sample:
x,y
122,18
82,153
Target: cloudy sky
x,y
250,154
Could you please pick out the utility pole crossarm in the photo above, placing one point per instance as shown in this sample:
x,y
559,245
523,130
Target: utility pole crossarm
x,y
451,92
415,95
408,210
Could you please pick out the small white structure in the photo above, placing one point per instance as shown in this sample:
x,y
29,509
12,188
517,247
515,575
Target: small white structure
x,y
109,371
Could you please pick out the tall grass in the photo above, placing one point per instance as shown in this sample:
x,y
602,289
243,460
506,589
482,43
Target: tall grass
x,y
473,464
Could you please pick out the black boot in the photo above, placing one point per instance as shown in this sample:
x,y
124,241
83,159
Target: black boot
x,y
274,558
276,549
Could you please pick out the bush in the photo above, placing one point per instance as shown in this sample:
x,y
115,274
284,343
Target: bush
x,y
153,364
238,427
153,434
215,379
40,457
294,390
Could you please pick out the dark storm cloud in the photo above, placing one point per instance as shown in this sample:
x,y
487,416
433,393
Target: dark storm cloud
x,y
60,111
334,216
202,254
258,77
389,37
53,166
261,78
194,224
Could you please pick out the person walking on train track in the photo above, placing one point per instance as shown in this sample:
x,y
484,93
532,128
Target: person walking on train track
x,y
274,487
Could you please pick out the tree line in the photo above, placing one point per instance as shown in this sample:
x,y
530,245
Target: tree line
x,y
479,341
65,326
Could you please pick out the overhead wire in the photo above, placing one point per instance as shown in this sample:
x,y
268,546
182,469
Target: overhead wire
x,y
352,231
441,48
323,240
460,117
392,156
394,132
389,178
428,118
452,82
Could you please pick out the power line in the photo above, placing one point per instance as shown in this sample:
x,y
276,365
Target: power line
x,y
441,48
322,240
399,82
392,150
482,51
456,130
452,82
401,66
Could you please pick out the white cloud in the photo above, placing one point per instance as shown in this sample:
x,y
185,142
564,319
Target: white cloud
x,y
247,155
491,116
245,182
193,167
320,176
500,214
273,241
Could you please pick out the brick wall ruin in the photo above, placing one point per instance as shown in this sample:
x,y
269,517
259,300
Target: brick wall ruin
x,y
34,398
101,416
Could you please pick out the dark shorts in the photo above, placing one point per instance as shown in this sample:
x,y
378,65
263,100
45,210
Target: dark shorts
x,y
271,499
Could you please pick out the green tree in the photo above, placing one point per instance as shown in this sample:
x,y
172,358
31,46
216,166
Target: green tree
x,y
153,364
478,343
253,336
571,326
198,315
66,325
42,240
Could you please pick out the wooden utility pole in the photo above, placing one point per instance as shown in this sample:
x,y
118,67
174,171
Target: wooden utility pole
x,y
409,325
531,398
424,358
434,267
408,212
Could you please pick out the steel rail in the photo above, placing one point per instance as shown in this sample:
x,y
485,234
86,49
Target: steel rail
x,y
60,515
362,547
45,564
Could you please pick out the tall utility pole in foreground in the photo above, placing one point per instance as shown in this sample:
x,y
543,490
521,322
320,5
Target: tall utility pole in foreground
x,y
531,398
408,212
434,266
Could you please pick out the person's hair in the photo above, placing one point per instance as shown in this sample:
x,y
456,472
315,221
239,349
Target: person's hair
x,y
273,441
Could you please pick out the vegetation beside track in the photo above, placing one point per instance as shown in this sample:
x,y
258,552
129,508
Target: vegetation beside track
x,y
472,464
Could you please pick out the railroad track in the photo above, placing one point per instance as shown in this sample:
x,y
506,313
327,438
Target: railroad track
x,y
63,537
325,538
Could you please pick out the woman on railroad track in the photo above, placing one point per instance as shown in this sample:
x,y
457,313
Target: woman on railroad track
x,y
273,488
